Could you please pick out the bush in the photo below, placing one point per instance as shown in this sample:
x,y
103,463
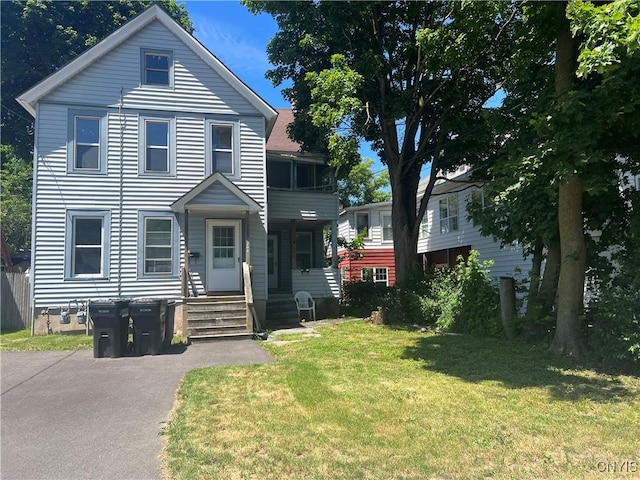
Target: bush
x,y
462,300
364,297
614,333
470,301
613,315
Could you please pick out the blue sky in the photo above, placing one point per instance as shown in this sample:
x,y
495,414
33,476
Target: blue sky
x,y
239,39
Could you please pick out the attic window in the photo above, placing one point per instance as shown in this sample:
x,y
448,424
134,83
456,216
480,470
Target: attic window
x,y
157,68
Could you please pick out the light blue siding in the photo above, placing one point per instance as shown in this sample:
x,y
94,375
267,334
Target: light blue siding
x,y
199,94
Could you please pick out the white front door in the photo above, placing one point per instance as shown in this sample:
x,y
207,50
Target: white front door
x,y
223,256
272,260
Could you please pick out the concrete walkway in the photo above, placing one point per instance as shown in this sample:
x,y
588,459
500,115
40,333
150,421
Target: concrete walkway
x,y
67,415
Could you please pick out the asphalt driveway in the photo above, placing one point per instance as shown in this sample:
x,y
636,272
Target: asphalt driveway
x,y
67,415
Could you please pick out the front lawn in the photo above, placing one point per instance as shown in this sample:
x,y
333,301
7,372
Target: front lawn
x,y
363,401
22,340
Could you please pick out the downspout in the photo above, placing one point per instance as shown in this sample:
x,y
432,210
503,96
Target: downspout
x,y
34,196
121,200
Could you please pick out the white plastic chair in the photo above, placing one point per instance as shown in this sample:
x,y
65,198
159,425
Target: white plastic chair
x,y
305,302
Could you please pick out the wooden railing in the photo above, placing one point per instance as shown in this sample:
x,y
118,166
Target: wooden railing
x,y
252,317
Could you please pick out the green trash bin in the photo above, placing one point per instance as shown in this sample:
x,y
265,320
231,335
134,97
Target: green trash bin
x,y
149,317
110,327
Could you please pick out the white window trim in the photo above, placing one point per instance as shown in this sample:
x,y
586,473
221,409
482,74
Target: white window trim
x,y
375,271
71,141
355,224
449,216
424,226
105,215
175,247
142,146
235,156
157,51
382,215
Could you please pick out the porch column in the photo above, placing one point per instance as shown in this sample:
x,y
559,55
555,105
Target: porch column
x,y
248,242
185,276
334,243
293,245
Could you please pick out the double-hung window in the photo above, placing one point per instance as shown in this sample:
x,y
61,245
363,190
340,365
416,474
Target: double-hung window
x,y
387,229
87,145
157,149
222,149
482,198
375,275
156,68
304,250
362,224
157,244
449,214
86,254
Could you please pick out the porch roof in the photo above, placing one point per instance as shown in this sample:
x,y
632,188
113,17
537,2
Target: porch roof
x,y
216,192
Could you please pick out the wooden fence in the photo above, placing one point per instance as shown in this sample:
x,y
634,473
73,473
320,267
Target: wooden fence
x,y
15,310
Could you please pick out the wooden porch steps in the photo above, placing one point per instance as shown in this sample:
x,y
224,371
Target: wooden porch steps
x,y
222,316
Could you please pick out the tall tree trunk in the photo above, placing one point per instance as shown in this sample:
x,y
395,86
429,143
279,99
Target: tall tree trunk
x,y
404,191
567,339
549,285
534,284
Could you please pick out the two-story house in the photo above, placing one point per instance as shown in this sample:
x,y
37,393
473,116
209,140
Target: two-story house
x,y
375,261
152,179
446,232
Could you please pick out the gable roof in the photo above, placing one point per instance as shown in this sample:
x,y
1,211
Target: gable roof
x,y
279,141
240,200
154,13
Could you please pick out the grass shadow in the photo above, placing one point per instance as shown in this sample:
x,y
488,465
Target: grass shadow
x,y
516,365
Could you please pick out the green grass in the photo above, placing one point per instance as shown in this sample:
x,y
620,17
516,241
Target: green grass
x,y
370,402
22,340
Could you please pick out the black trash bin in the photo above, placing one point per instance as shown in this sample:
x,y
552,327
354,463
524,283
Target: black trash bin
x,y
149,316
110,327
169,323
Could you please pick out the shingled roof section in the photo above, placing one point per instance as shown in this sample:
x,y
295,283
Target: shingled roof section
x,y
278,140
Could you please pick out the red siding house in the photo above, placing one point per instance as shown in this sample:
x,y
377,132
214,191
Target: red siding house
x,y
375,261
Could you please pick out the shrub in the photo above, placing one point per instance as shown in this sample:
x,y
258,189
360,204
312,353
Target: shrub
x,y
470,301
463,300
614,313
364,297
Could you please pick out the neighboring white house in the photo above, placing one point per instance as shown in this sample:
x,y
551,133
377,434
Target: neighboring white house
x,y
150,161
445,232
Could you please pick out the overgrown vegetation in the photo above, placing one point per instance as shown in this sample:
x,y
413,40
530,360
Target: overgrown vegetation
x,y
464,299
613,316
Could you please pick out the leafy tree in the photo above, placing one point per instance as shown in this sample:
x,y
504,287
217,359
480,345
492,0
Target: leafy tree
x,y
410,77
361,186
15,215
39,37
565,139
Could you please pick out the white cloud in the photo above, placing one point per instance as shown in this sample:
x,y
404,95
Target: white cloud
x,y
231,46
